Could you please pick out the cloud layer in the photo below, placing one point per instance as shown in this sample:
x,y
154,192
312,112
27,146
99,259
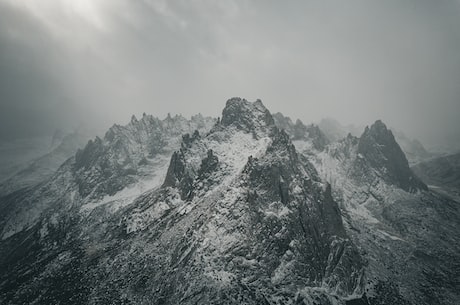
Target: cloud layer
x,y
64,63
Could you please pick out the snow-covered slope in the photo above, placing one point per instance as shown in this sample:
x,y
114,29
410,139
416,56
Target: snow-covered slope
x,y
241,220
403,228
128,161
229,211
238,219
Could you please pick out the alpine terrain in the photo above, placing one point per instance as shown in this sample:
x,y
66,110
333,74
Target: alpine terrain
x,y
249,208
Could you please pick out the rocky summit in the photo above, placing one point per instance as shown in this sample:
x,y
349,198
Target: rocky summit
x,y
246,209
377,147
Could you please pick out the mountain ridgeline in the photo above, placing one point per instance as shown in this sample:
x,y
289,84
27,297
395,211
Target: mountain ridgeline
x,y
250,208
378,147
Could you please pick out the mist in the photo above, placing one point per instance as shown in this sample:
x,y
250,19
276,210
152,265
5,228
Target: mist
x,y
65,64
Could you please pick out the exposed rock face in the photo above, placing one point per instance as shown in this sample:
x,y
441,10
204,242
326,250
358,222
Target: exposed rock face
x,y
412,148
132,157
240,218
305,137
392,218
251,117
319,139
208,165
379,149
259,222
237,214
109,165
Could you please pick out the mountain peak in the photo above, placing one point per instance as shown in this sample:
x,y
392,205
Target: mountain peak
x,y
378,134
379,124
380,149
245,115
379,129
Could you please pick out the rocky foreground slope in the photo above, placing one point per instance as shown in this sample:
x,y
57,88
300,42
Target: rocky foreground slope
x,y
239,211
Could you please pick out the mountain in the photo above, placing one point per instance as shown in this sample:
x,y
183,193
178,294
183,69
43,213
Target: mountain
x,y
414,150
43,167
305,137
335,131
441,174
377,149
247,209
407,232
129,160
238,218
14,154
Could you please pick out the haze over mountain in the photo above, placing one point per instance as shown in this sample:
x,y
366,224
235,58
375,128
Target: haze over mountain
x,y
414,150
125,177
65,63
247,208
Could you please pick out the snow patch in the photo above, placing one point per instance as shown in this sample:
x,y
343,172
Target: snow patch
x,y
392,237
139,221
223,278
303,146
360,212
277,209
153,178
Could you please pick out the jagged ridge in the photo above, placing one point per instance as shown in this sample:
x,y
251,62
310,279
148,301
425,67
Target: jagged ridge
x,y
379,148
241,217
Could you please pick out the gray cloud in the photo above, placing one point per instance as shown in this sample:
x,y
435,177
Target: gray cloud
x,y
64,64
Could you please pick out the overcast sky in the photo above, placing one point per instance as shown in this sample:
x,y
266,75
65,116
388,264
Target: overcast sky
x,y
64,63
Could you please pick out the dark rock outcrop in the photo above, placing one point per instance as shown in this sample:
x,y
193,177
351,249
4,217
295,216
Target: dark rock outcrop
x,y
378,147
242,217
298,131
251,117
106,166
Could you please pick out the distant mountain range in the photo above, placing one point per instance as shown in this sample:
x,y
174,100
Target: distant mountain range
x,y
414,150
442,174
248,208
29,172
